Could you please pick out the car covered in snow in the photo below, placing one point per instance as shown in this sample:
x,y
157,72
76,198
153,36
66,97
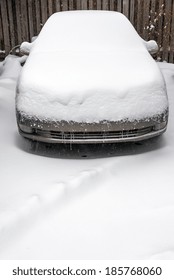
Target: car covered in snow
x,y
89,78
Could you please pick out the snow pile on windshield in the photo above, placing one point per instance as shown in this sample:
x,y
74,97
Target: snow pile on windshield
x,y
90,66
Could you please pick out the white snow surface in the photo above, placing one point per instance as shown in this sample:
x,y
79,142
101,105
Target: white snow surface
x,y
90,66
117,203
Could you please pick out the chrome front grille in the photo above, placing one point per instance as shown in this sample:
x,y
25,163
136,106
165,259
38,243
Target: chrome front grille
x,y
103,135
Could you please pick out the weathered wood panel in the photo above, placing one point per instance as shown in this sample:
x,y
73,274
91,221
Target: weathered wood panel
x,y
24,22
153,19
50,7
71,5
119,6
105,5
2,47
78,5
132,11
11,23
171,56
37,15
126,8
166,37
90,4
64,5
160,23
140,23
99,5
84,5
112,5
146,11
30,19
5,26
44,11
57,5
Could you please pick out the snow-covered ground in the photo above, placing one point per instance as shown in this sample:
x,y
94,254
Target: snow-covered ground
x,y
84,202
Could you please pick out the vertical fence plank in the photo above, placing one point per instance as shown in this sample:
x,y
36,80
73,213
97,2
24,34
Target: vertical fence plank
x,y
2,47
57,4
44,11
105,5
166,37
126,8
152,25
5,25
91,4
11,24
78,4
132,9
99,5
64,5
30,19
24,20
84,5
38,16
152,10
119,6
112,5
1,34
146,9
139,17
71,5
171,56
18,20
160,25
50,7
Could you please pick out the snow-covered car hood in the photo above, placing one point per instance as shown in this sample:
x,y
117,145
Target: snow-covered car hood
x,y
90,66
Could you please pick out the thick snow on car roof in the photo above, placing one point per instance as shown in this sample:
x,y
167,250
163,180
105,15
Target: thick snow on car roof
x,y
87,30
90,66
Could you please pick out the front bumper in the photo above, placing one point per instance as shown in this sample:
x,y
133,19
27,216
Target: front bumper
x,y
81,133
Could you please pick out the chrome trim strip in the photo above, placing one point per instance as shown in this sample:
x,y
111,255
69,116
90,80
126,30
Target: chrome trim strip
x,y
90,141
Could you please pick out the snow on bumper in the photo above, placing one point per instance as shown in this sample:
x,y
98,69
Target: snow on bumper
x,y
102,132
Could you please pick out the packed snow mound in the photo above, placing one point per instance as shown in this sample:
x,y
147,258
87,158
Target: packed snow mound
x,y
90,66
10,68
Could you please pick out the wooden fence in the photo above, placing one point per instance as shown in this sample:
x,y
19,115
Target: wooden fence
x,y
20,20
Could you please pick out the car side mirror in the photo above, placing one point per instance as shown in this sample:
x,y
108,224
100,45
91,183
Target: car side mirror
x,y
151,46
